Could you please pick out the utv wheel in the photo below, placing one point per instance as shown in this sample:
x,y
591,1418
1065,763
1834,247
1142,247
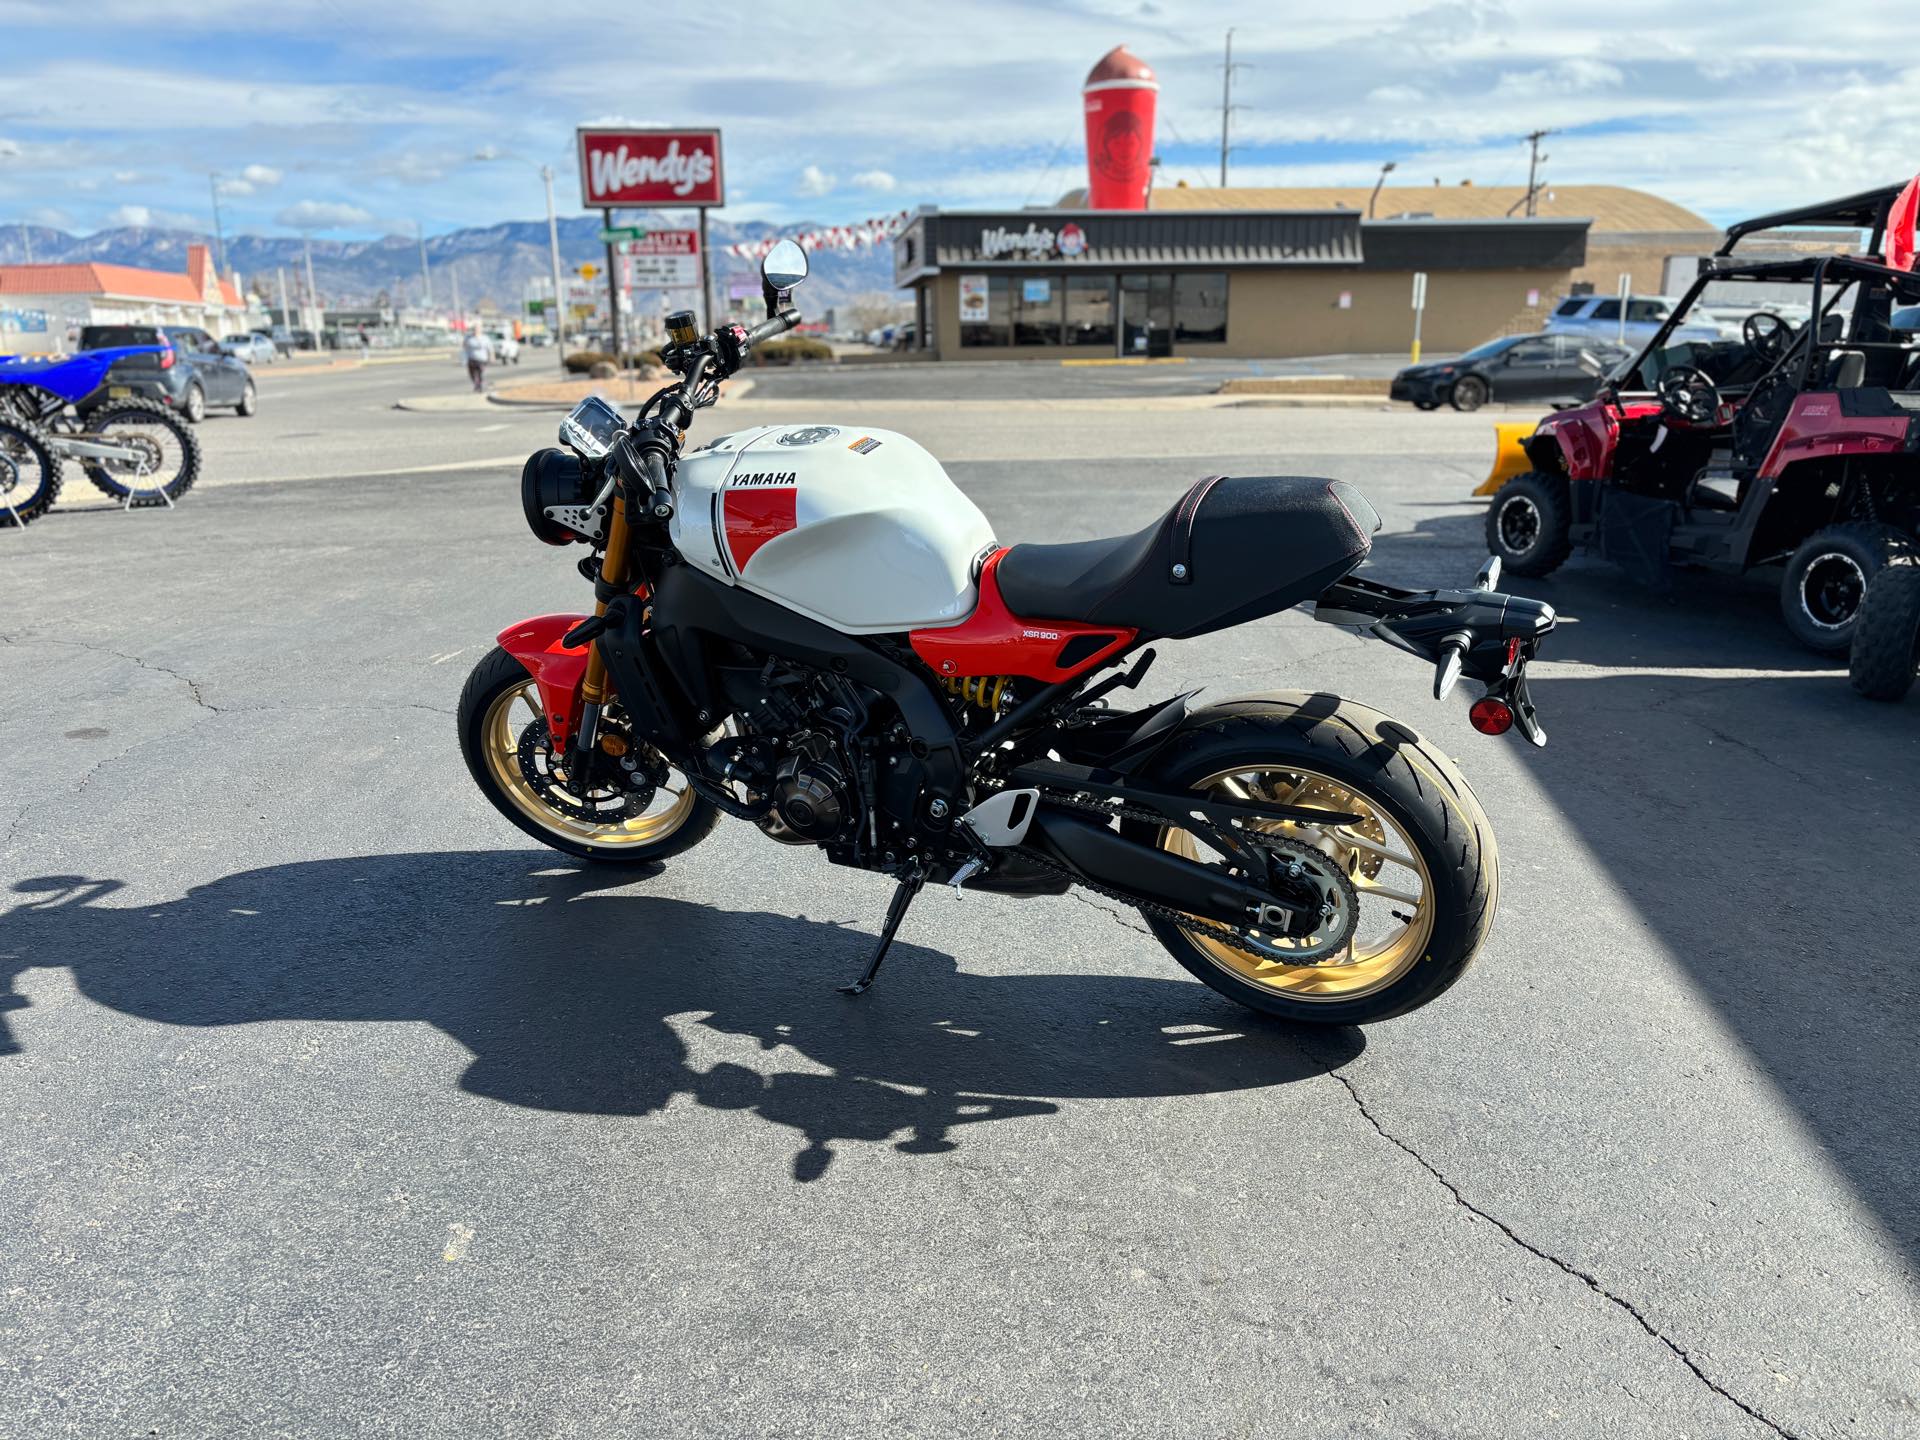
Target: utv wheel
x,y
194,407
29,475
503,737
1886,638
1422,862
1827,578
1469,393
249,401
1527,524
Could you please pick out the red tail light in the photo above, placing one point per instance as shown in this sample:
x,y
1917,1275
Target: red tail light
x,y
1490,716
166,358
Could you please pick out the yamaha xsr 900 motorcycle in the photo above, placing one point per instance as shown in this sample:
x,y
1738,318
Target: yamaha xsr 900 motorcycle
x,y
809,628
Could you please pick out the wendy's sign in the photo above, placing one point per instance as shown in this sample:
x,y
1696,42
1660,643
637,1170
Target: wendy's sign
x,y
650,167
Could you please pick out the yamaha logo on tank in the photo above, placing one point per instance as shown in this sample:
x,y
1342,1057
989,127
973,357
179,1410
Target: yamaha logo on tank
x,y
762,479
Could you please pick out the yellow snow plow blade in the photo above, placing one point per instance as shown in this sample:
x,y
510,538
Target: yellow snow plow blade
x,y
1509,459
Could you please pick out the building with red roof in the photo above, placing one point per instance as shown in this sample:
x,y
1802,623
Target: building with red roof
x,y
44,306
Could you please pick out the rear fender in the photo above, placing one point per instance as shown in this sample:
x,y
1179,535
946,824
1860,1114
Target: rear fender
x,y
557,668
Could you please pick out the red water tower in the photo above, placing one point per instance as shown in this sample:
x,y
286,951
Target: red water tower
x,y
1120,97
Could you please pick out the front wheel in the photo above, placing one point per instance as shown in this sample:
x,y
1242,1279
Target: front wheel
x,y
1411,885
161,459
503,735
29,475
1469,393
1527,525
249,401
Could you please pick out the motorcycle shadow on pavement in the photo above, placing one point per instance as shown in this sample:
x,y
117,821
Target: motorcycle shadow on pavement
x,y
561,984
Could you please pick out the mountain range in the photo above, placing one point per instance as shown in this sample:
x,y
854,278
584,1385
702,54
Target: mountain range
x,y
491,263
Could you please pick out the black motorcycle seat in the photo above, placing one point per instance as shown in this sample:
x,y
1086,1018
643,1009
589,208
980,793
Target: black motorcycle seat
x,y
1230,550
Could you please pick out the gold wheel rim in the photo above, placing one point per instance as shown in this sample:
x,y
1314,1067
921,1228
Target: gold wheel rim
x,y
1386,868
516,707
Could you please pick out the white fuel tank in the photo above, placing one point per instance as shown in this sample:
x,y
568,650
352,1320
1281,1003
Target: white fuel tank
x,y
857,528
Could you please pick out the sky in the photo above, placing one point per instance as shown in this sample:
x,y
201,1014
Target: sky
x,y
358,119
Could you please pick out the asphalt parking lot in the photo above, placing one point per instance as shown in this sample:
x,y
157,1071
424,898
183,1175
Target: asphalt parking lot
x,y
335,1108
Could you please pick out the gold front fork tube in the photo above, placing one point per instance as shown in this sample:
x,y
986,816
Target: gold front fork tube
x,y
613,570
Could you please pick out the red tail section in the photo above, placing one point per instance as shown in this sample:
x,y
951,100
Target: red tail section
x,y
995,641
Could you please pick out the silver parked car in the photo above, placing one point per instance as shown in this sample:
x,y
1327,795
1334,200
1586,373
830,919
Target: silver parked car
x,y
250,346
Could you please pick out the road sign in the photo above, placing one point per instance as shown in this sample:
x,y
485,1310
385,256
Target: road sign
x,y
587,272
614,234
664,259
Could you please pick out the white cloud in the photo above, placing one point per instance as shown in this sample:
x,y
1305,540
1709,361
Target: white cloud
x,y
322,215
880,180
131,215
146,217
9,147
815,181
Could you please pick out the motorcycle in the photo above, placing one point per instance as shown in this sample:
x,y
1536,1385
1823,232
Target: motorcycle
x,y
811,629
132,450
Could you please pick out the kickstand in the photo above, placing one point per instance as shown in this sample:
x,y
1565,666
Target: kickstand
x,y
909,887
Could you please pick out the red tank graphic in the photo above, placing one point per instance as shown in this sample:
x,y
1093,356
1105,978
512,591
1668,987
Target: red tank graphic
x,y
1120,97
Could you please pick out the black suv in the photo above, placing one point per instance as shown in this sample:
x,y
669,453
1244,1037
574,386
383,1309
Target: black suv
x,y
191,376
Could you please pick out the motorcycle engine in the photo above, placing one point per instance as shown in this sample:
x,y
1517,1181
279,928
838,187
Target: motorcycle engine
x,y
811,798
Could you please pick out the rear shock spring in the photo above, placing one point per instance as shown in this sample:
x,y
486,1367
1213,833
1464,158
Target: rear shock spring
x,y
983,691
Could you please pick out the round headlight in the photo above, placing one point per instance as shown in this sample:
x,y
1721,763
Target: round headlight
x,y
551,479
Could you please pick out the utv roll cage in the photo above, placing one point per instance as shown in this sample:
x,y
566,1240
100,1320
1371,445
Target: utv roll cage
x,y
1825,273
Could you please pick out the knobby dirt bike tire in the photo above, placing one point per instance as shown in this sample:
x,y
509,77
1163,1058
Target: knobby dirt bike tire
x,y
146,411
28,443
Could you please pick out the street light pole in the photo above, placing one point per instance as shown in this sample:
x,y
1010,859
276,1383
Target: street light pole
x,y
1385,170
556,317
426,278
318,321
219,233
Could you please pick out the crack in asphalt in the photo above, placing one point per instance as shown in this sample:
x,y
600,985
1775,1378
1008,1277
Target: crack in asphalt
x,y
1564,1266
193,686
1119,916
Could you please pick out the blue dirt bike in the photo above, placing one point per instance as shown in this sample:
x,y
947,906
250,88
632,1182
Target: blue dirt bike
x,y
50,412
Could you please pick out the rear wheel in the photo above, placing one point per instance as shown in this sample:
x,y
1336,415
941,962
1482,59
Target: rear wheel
x,y
1527,524
1827,578
162,458
29,475
503,735
1886,639
1469,393
1419,870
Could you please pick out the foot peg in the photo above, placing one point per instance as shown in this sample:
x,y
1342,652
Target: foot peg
x,y
903,894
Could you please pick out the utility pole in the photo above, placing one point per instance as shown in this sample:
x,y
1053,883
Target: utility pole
x,y
1227,108
286,315
1534,161
318,322
26,237
426,279
219,234
556,317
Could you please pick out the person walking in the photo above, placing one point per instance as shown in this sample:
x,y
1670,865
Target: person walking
x,y
478,353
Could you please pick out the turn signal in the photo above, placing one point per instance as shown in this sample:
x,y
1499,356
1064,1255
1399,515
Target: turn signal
x,y
1491,716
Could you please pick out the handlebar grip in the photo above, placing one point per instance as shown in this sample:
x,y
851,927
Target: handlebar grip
x,y
774,325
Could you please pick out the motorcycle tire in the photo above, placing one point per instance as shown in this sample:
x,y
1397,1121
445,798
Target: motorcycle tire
x,y
145,414
496,706
1343,756
29,474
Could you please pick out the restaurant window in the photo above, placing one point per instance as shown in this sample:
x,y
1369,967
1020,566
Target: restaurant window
x,y
1200,306
1089,310
1037,302
994,330
1146,313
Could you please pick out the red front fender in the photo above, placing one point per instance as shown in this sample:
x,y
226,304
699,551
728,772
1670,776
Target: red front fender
x,y
539,644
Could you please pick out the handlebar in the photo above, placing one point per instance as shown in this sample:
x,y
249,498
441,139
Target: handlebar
x,y
775,325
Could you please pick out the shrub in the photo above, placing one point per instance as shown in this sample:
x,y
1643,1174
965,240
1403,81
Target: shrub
x,y
580,362
793,348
